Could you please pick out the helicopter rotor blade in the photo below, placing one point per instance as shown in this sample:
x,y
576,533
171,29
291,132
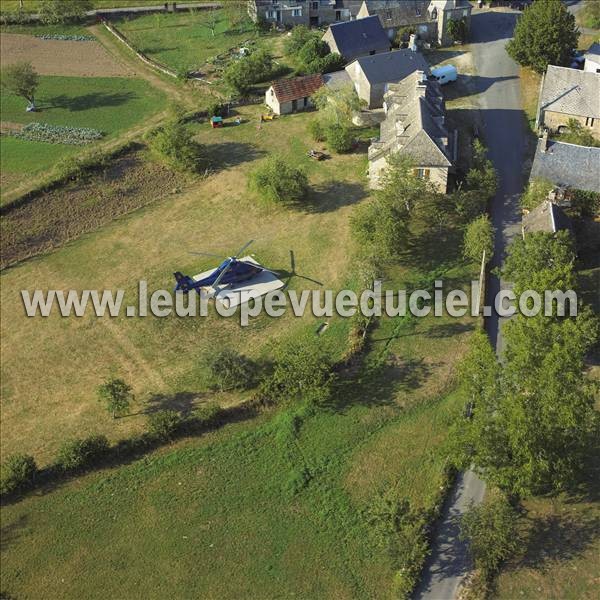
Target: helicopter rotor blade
x,y
206,254
308,279
242,248
222,274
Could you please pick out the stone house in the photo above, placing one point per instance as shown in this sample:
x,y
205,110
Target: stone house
x,y
370,75
414,126
362,37
312,13
569,94
292,95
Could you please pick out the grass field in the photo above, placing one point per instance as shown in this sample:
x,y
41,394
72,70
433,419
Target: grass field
x,y
110,104
258,510
163,356
184,41
33,5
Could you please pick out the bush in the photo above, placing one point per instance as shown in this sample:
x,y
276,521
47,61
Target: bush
x,y
53,12
162,425
277,181
18,473
242,73
316,131
537,191
174,145
298,37
215,109
230,370
576,133
79,167
81,453
458,30
340,138
491,530
207,414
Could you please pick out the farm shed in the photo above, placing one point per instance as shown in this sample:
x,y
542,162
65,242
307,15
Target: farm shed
x,y
290,95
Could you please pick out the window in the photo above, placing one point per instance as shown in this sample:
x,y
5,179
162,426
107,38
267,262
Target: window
x,y
423,173
338,15
371,52
296,12
589,121
271,14
315,6
418,12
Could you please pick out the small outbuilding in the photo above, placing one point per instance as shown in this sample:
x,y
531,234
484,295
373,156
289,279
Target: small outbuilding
x,y
362,37
291,95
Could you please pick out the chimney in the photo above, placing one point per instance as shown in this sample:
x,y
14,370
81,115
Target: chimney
x,y
412,42
545,140
421,83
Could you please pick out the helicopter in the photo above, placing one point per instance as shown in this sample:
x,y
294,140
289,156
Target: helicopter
x,y
232,271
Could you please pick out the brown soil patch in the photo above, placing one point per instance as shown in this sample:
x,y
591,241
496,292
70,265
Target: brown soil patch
x,y
6,127
58,216
55,57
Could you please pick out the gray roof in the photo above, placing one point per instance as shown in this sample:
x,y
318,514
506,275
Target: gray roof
x,y
399,14
391,66
360,36
546,217
568,165
414,123
593,52
571,92
337,79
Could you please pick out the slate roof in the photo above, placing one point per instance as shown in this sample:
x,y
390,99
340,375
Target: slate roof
x,y
391,66
399,14
593,52
571,92
337,79
545,217
297,87
568,165
360,36
414,123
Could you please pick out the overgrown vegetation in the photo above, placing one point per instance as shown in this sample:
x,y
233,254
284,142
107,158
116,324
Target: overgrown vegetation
x,y
576,133
544,35
479,238
458,30
18,474
305,48
174,144
231,370
276,180
243,73
589,15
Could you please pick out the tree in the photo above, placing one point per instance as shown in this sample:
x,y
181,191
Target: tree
x,y
337,105
53,12
22,80
491,530
482,177
458,30
541,261
80,453
116,395
278,181
174,145
299,36
242,73
230,370
479,238
545,34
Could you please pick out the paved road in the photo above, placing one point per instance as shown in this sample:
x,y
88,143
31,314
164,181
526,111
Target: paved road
x,y
506,140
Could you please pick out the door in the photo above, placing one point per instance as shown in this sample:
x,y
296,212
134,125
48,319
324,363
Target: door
x,y
294,105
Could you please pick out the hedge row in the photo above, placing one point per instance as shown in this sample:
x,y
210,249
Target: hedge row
x,y
21,474
56,134
66,37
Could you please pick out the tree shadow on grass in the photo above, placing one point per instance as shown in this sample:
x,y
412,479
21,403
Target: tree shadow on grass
x,y
448,330
332,195
88,101
181,402
230,154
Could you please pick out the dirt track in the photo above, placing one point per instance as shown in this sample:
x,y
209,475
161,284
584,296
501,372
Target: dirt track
x,y
54,57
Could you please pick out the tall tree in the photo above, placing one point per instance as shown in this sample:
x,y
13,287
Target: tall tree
x,y
544,35
479,237
22,80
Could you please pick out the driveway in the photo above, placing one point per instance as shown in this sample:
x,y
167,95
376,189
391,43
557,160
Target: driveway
x,y
505,137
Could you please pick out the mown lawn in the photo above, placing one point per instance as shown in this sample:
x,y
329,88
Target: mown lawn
x,y
110,104
184,40
257,510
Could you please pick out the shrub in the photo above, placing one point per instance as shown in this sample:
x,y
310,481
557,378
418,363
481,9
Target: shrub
x,y
117,396
78,167
536,192
215,109
316,131
18,473
458,30
207,414
298,37
63,11
479,237
277,181
242,73
81,453
340,138
174,145
491,530
163,424
576,133
230,370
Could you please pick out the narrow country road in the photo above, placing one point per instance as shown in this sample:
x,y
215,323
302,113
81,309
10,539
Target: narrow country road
x,y
505,137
